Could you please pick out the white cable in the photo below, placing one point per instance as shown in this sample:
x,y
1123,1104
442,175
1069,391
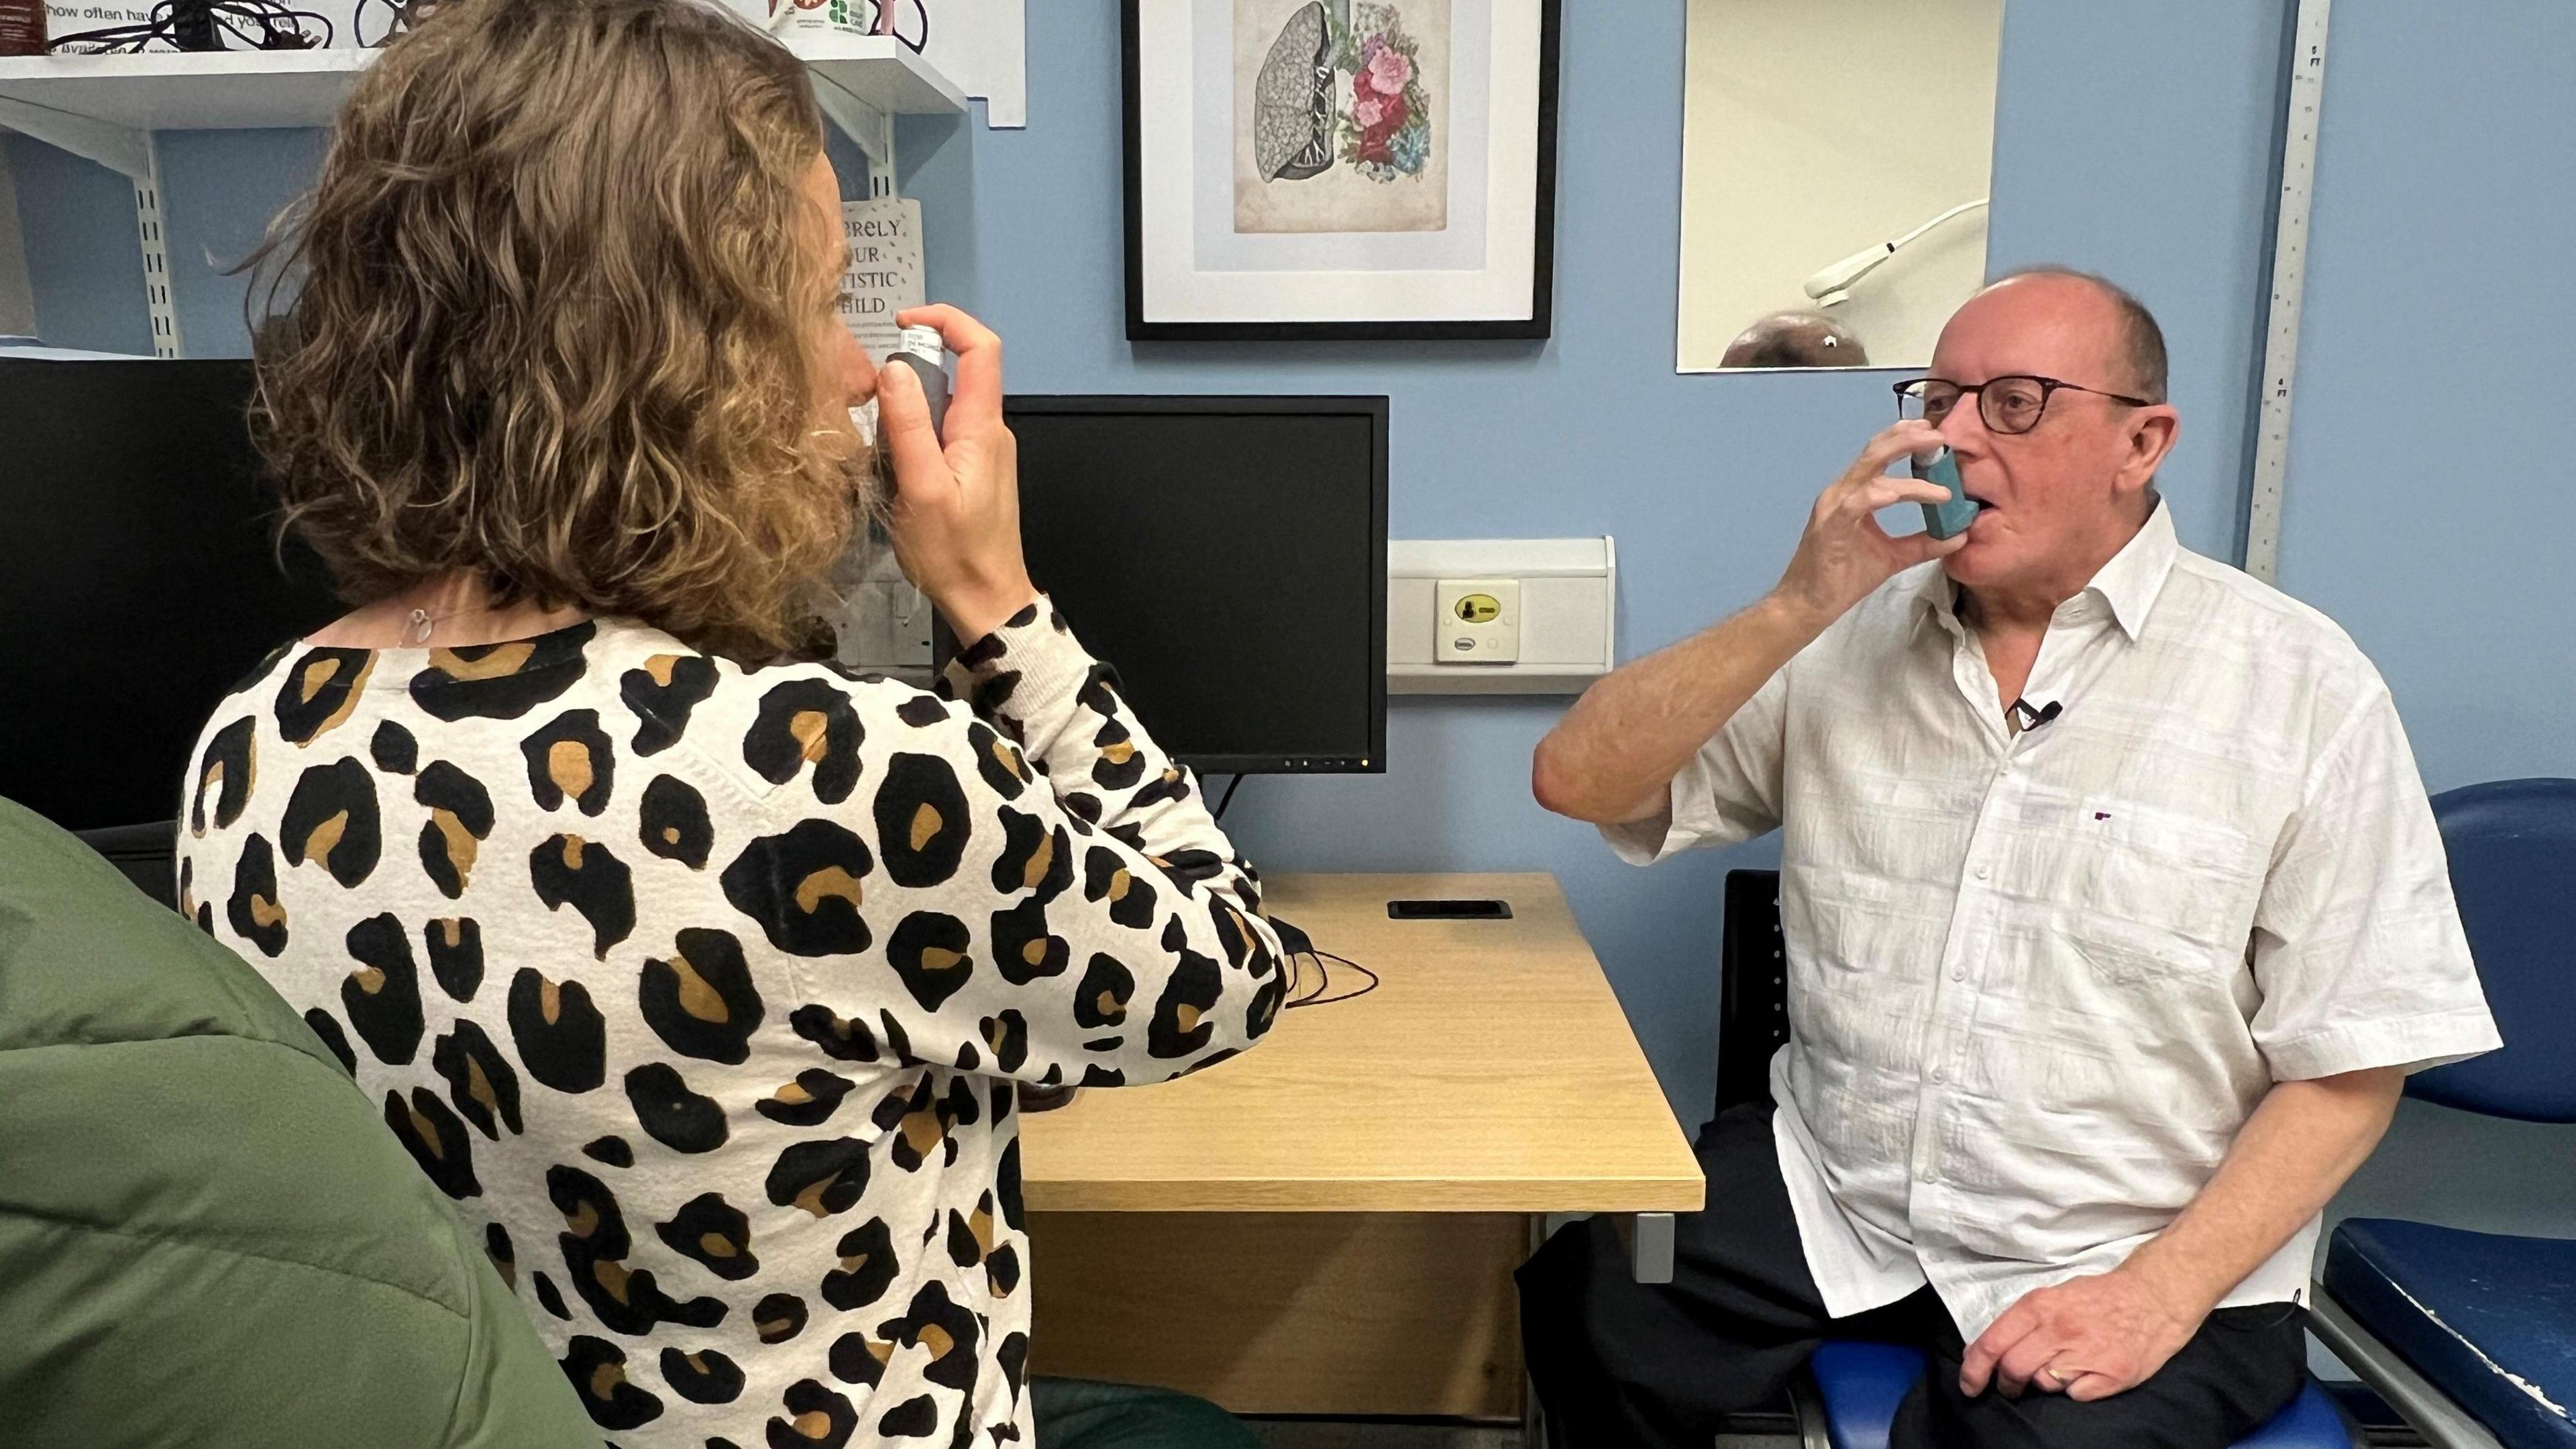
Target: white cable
x,y
1832,285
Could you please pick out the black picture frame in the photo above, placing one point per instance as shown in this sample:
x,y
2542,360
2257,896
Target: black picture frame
x,y
1537,326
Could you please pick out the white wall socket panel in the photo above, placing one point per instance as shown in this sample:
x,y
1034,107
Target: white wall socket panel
x,y
1480,622
1565,617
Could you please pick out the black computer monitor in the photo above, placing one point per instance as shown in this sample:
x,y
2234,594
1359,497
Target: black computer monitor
x,y
138,578
1227,555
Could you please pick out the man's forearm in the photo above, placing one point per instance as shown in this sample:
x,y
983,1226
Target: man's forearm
x,y
1617,751
2294,1153
1610,759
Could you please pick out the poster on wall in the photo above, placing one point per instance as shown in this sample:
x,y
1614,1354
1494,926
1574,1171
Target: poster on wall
x,y
884,275
1348,169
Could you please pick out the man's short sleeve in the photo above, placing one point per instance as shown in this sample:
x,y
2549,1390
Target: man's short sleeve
x,y
1730,790
2357,943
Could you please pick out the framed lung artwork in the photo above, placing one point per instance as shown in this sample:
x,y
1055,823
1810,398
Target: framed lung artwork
x,y
1340,169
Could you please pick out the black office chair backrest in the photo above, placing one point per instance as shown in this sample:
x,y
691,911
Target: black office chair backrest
x,y
1753,988
147,854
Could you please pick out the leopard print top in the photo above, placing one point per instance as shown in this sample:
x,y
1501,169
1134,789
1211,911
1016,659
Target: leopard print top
x,y
730,974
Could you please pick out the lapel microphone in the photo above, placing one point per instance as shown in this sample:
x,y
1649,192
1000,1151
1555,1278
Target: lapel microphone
x,y
2024,718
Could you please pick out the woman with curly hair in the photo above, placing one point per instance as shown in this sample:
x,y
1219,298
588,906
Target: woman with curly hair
x,y
704,979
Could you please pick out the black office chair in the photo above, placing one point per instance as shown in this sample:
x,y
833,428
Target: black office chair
x,y
1752,1026
147,854
1850,1394
1753,988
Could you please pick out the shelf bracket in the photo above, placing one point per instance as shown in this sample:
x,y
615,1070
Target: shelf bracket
x,y
121,149
156,254
869,127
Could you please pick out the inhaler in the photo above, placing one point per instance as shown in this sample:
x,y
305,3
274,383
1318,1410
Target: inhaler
x,y
1950,517
921,350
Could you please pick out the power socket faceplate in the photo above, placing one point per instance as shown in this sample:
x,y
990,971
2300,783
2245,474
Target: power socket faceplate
x,y
1479,621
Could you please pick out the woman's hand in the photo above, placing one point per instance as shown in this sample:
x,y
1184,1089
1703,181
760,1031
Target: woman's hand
x,y
956,505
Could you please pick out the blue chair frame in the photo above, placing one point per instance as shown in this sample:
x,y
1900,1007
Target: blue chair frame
x,y
1853,1389
2512,847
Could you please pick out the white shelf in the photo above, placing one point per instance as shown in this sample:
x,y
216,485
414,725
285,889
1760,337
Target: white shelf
x,y
220,90
236,90
883,72
106,107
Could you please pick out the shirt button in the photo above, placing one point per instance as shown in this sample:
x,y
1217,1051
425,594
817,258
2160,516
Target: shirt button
x,y
1984,871
1958,973
1929,1176
1939,1075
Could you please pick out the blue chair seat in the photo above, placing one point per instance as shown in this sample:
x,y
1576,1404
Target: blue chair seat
x,y
1862,1383
2489,1320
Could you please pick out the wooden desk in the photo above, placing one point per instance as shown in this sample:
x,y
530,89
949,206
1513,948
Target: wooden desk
x,y
1327,1223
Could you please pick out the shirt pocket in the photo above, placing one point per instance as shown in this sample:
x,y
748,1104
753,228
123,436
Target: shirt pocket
x,y
2166,896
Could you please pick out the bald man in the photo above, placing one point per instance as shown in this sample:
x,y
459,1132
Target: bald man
x,y
2114,915
1795,339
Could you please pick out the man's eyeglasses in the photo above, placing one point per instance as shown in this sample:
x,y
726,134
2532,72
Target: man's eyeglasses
x,y
2010,404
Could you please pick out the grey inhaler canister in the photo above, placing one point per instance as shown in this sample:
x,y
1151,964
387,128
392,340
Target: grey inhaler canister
x,y
921,351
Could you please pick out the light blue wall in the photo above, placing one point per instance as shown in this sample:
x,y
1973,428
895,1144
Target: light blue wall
x,y
2132,147
77,223
2138,142
2429,505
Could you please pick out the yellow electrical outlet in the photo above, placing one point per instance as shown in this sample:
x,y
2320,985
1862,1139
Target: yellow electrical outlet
x,y
1479,621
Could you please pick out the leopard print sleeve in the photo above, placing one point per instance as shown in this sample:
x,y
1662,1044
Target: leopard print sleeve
x,y
1059,906
1034,684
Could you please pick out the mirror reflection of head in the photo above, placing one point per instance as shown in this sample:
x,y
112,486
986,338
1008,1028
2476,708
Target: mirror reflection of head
x,y
1795,339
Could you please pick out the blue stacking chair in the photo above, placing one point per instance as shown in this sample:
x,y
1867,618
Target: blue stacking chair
x,y
1854,1388
2472,1336
1859,1385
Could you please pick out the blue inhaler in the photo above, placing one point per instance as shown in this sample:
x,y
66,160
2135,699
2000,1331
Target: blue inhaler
x,y
1950,517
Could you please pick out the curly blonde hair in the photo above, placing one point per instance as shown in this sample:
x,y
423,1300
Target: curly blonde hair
x,y
554,320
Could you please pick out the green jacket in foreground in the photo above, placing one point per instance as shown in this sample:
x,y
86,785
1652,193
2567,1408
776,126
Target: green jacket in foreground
x,y
207,1235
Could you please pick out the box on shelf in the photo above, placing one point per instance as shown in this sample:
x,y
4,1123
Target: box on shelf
x,y
22,27
344,24
790,19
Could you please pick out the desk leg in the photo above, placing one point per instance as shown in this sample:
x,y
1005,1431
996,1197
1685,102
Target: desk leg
x,y
1649,1240
1533,1423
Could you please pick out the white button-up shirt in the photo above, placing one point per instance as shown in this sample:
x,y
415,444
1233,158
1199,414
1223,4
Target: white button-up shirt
x,y
2038,982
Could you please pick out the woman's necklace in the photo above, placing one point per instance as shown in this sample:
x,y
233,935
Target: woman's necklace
x,y
417,627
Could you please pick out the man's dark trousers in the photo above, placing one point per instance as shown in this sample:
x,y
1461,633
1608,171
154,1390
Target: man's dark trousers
x,y
1623,1365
